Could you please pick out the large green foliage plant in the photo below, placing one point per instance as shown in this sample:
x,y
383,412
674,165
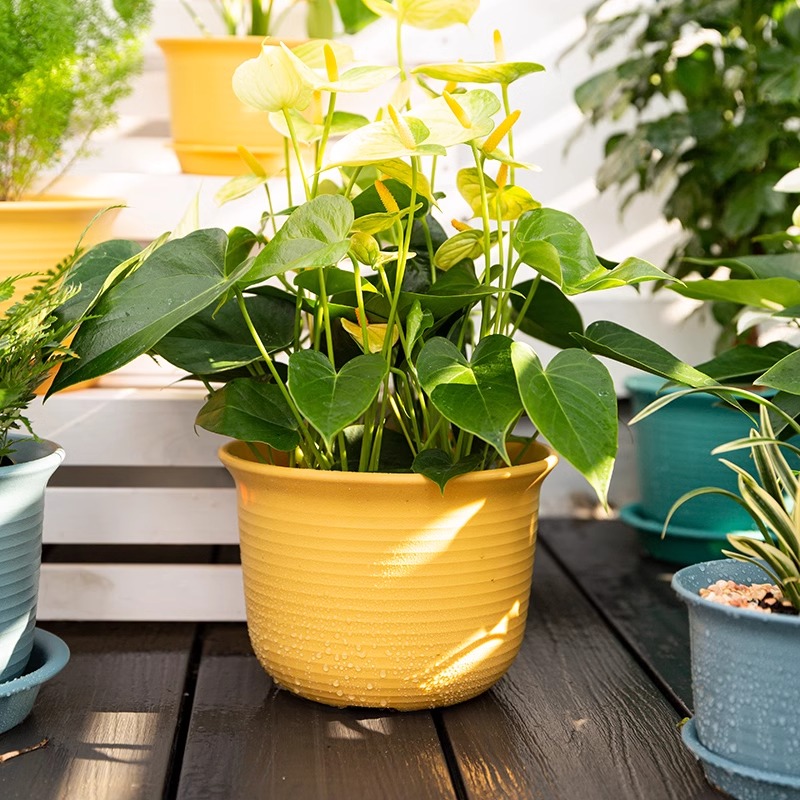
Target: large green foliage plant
x,y
356,329
63,66
707,103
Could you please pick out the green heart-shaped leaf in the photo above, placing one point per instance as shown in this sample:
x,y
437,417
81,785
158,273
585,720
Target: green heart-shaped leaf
x,y
554,237
766,293
744,363
550,316
480,396
315,235
439,467
333,400
216,340
615,341
90,272
785,375
252,411
627,273
178,280
573,404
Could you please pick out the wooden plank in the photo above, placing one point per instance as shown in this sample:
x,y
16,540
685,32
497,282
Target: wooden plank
x,y
141,515
632,590
166,592
128,427
248,739
574,719
110,716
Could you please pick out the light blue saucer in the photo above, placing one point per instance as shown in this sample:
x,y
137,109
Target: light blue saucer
x,y
49,656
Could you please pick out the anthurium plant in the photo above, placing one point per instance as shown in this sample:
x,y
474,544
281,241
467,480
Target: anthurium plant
x,y
264,17
357,330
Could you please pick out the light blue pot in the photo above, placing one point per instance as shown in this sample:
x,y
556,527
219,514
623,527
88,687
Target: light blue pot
x,y
744,679
22,486
673,456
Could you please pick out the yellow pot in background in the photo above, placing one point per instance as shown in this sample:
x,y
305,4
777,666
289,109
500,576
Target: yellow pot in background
x,y
208,120
37,233
373,589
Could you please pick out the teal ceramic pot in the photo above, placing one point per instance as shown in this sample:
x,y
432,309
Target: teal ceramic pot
x,y
22,486
744,679
673,456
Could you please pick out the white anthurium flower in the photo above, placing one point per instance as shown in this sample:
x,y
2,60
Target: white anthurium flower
x,y
309,132
425,130
790,182
504,73
272,82
358,79
383,141
426,14
312,53
446,120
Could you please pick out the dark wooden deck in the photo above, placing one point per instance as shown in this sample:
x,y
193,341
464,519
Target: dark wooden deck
x,y
589,710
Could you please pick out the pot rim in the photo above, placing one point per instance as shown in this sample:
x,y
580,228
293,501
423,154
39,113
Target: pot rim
x,y
716,571
222,40
540,467
652,386
58,202
53,455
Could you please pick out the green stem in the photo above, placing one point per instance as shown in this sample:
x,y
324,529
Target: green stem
x,y
342,450
201,26
271,208
352,182
527,304
399,47
313,450
323,296
288,167
426,230
323,143
257,453
296,146
362,314
487,239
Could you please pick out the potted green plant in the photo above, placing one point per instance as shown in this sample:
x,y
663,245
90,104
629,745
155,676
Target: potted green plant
x,y
64,67
31,346
208,126
711,105
362,357
742,612
701,106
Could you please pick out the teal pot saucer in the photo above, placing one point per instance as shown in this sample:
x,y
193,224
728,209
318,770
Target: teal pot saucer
x,y
743,783
48,657
681,545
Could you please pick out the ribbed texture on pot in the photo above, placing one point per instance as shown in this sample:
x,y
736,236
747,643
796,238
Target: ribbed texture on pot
x,y
744,673
374,590
22,488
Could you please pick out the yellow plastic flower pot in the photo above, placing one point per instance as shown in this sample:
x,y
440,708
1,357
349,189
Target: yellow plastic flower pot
x,y
374,589
37,233
208,120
